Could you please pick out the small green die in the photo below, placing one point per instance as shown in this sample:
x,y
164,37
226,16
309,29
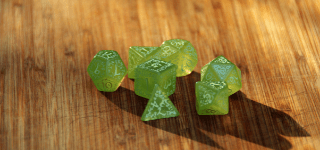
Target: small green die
x,y
221,69
212,98
107,70
153,72
159,106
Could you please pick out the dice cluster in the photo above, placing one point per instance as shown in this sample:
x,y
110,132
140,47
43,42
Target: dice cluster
x,y
155,69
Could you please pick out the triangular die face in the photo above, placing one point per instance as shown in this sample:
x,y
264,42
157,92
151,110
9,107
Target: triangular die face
x,y
222,70
221,60
233,78
210,75
159,106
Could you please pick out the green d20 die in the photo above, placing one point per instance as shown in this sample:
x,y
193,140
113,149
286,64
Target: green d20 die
x,y
138,55
159,106
107,70
181,53
221,69
153,72
212,98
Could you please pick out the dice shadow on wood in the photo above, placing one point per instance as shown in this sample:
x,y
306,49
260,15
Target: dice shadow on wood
x,y
247,119
252,122
179,126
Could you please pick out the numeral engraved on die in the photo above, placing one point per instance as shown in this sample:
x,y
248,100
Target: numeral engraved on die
x,y
210,111
107,84
97,71
115,72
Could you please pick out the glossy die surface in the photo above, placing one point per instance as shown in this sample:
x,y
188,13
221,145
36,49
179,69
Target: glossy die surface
x,y
138,55
159,106
153,72
107,70
221,69
181,53
212,98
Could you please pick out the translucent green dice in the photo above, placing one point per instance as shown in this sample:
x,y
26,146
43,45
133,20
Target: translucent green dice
x,y
153,72
212,98
107,70
138,55
181,53
159,106
221,69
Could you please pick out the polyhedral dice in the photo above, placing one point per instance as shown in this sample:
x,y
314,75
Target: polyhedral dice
x,y
212,98
153,72
181,53
138,55
159,106
107,70
221,69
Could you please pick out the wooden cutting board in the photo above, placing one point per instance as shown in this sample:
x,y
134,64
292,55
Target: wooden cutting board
x,y
48,101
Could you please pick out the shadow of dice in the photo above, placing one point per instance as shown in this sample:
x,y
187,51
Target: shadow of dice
x,y
212,98
221,69
153,72
181,53
107,70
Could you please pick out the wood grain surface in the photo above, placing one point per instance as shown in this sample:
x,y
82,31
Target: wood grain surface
x,y
48,101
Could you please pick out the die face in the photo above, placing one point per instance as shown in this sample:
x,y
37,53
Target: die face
x,y
181,53
159,106
234,81
167,80
212,98
107,70
144,82
97,68
138,55
221,69
154,72
210,75
107,84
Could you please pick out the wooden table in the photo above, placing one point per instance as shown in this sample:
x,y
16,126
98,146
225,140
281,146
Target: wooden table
x,y
48,101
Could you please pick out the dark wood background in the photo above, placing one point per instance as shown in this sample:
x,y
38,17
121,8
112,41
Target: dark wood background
x,y
48,101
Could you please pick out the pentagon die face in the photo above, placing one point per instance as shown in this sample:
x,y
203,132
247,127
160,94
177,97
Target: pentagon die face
x,y
212,98
107,70
221,69
181,53
153,72
159,106
138,55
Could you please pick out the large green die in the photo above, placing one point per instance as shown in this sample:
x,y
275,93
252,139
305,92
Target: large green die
x,y
107,70
212,98
153,72
181,53
221,69
138,55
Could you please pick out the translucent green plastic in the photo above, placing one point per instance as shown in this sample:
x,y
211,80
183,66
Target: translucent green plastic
x,y
159,106
153,72
221,69
138,55
212,98
107,70
181,53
